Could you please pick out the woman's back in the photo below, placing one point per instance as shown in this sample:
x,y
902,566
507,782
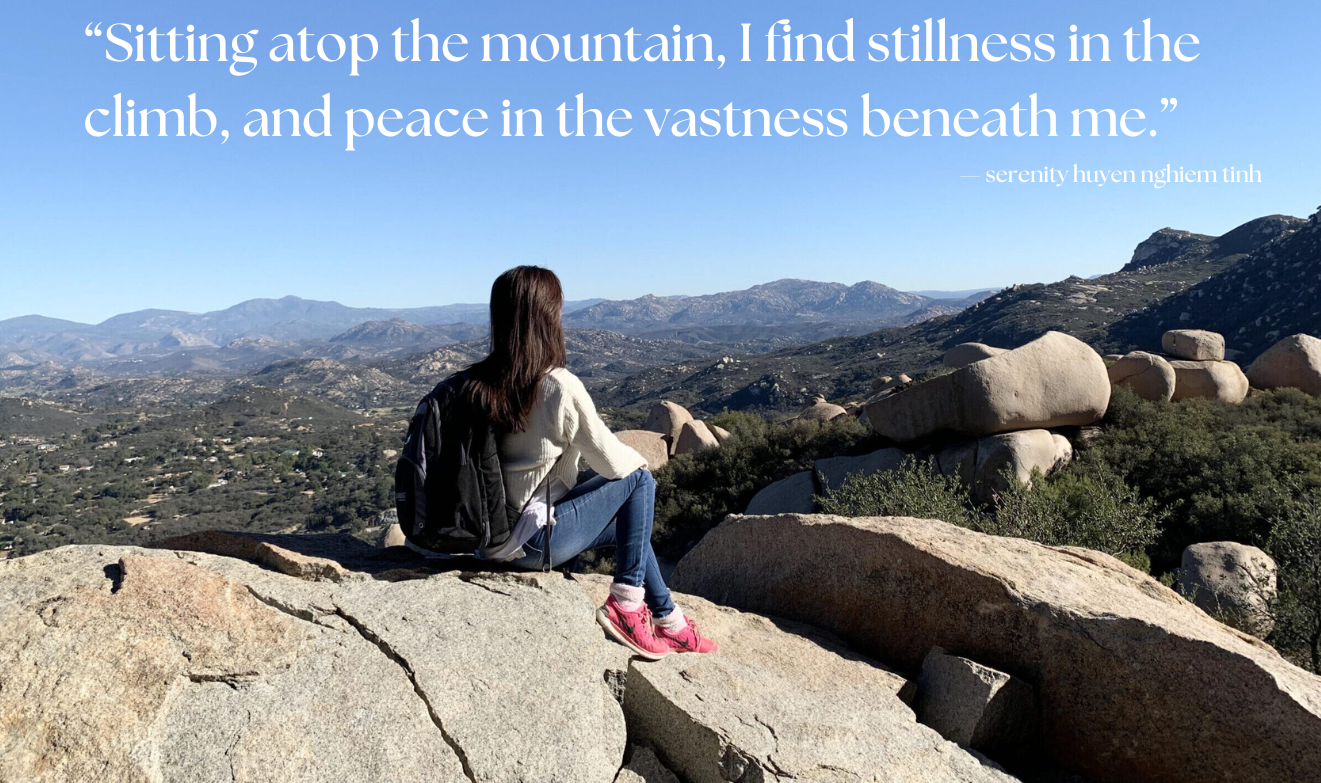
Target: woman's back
x,y
562,429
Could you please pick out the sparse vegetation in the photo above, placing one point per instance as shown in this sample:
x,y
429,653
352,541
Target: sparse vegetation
x,y
260,461
915,489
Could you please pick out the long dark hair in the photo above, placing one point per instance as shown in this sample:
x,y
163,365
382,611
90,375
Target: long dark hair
x,y
527,340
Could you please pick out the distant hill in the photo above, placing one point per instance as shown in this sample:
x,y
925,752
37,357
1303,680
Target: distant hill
x,y
1165,265
1269,294
778,303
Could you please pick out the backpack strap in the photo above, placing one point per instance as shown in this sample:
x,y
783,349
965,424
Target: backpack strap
x,y
547,560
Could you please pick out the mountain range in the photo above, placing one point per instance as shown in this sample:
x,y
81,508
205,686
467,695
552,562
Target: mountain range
x,y
778,303
262,331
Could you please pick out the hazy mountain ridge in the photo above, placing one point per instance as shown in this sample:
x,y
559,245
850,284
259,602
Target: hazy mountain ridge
x,y
777,303
288,319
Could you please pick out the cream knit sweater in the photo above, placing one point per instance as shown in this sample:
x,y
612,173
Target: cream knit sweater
x,y
562,428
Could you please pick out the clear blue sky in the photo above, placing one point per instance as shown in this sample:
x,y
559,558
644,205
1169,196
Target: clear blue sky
x,y
96,226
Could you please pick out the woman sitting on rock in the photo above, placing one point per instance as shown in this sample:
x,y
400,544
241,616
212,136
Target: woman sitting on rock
x,y
547,421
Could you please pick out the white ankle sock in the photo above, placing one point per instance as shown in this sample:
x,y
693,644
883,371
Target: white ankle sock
x,y
674,621
628,596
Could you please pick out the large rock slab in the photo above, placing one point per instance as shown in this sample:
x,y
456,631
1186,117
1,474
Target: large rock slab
x,y
124,664
1196,345
651,445
1148,375
965,354
1292,362
1134,682
668,418
782,701
793,495
1053,381
118,664
1231,581
1209,380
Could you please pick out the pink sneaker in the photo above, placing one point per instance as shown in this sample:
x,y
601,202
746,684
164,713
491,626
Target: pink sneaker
x,y
634,630
687,639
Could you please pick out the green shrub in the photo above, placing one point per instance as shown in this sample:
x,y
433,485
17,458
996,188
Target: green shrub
x,y
1096,510
1222,471
915,489
1079,507
695,492
1295,544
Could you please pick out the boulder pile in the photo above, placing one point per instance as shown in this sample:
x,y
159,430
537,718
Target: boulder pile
x,y
671,431
122,664
1195,367
992,416
1132,681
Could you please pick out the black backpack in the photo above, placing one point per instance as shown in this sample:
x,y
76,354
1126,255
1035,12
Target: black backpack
x,y
449,491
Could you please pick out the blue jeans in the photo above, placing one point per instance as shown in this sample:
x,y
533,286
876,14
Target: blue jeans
x,y
600,513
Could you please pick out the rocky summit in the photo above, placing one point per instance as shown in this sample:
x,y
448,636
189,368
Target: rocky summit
x,y
320,658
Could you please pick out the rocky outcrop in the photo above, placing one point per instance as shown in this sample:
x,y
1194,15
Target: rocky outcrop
x,y
651,445
1195,345
668,418
965,354
1134,683
1166,245
1149,376
1292,362
129,665
820,410
1209,380
1232,582
987,465
721,433
124,664
782,701
695,437
1053,381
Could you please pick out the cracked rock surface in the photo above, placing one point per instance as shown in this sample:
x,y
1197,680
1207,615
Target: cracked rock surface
x,y
312,658
782,701
123,664
119,664
1134,682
